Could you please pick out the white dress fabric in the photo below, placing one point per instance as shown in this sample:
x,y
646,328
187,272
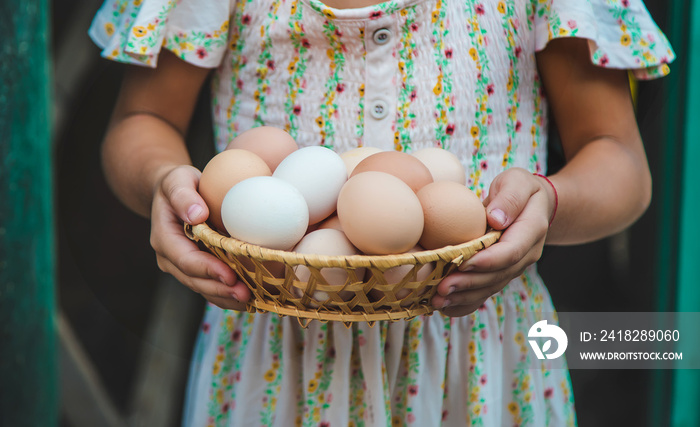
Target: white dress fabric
x,y
401,75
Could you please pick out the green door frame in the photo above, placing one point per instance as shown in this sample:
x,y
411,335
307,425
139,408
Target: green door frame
x,y
676,393
28,373
686,383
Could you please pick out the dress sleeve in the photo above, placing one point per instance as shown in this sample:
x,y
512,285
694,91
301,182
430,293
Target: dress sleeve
x,y
134,31
621,33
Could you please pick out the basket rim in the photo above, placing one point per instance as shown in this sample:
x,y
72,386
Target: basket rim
x,y
452,253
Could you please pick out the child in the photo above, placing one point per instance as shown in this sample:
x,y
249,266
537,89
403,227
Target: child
x,y
469,76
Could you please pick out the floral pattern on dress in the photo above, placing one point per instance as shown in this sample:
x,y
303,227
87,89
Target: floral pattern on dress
x,y
483,113
405,118
295,68
443,86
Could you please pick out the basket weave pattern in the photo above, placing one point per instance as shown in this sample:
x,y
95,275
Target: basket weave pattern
x,y
366,295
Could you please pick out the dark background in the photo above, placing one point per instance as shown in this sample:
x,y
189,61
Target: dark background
x,y
108,275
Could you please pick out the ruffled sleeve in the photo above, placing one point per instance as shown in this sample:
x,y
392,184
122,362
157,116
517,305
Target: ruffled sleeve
x,y
621,33
135,31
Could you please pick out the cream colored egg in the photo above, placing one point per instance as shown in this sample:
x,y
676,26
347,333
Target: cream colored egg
x,y
380,214
222,172
269,143
443,165
356,155
331,222
327,242
453,214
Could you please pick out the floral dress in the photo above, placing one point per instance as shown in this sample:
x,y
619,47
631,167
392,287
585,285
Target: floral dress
x,y
400,75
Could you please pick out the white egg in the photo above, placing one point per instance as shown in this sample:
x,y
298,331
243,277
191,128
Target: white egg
x,y
265,211
318,173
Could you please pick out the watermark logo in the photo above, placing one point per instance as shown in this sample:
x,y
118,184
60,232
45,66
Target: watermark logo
x,y
542,330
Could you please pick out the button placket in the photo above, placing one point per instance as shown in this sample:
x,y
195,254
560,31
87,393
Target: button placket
x,y
380,89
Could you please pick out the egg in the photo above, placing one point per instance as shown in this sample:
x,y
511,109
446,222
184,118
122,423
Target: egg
x,y
442,164
402,165
265,211
453,214
356,155
331,222
379,213
269,143
395,275
327,242
318,173
222,172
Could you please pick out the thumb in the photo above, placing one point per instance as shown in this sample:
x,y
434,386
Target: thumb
x,y
180,189
507,198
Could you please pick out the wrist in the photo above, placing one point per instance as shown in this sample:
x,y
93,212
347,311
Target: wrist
x,y
552,195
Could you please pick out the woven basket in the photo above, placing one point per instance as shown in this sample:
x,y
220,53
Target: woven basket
x,y
366,294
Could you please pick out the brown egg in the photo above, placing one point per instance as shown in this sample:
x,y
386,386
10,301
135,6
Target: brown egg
x,y
396,274
379,213
443,165
327,242
270,143
453,214
356,155
402,165
223,171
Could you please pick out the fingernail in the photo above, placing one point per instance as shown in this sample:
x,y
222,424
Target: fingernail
x,y
222,280
235,295
450,290
499,216
194,212
446,303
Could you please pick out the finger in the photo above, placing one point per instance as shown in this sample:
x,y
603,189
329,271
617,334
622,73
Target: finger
x,y
522,241
460,311
456,286
207,287
473,295
242,291
180,251
180,189
508,196
227,304
463,282
464,306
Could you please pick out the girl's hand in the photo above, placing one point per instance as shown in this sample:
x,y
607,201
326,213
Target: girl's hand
x,y
175,201
521,204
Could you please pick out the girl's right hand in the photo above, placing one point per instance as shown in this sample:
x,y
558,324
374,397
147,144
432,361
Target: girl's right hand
x,y
175,201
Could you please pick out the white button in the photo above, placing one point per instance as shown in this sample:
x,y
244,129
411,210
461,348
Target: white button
x,y
379,109
381,36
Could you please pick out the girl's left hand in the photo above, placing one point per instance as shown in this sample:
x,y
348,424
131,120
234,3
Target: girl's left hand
x,y
521,204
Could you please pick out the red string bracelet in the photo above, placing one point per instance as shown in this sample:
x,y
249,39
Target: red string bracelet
x,y
556,196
